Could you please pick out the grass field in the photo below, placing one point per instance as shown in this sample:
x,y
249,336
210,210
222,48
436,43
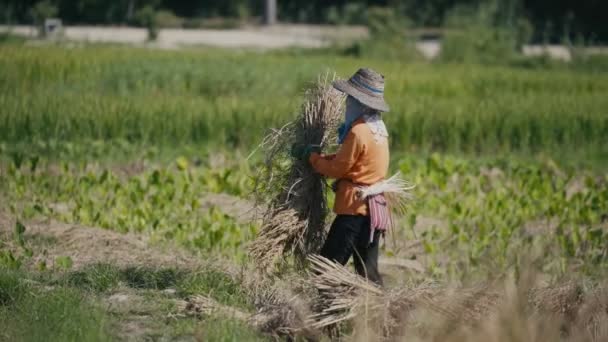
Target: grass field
x,y
228,99
509,162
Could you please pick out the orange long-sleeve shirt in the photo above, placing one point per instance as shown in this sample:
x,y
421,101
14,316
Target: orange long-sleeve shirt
x,y
360,160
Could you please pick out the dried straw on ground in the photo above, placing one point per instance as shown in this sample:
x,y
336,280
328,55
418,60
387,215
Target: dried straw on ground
x,y
277,310
561,300
478,313
294,222
278,320
343,295
340,293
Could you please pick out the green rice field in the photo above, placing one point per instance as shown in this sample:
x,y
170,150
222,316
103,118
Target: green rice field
x,y
226,100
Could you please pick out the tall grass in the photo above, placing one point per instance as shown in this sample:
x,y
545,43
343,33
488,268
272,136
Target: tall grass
x,y
230,98
31,313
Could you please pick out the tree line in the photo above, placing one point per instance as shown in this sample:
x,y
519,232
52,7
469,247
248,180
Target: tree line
x,y
550,19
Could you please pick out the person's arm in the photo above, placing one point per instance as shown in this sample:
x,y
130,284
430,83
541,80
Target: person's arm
x,y
343,161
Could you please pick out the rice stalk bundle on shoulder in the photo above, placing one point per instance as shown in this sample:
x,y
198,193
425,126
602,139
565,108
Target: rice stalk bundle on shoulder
x,y
294,221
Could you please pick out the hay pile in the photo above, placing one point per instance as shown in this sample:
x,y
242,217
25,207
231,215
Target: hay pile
x,y
308,308
343,295
294,222
340,293
431,312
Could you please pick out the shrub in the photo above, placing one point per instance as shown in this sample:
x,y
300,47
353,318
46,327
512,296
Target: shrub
x,y
349,14
166,18
475,35
146,17
11,287
353,13
151,278
388,39
42,11
333,16
97,278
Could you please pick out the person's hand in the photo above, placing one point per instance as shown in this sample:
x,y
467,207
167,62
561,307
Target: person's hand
x,y
302,152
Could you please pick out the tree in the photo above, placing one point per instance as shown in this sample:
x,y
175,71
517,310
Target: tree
x,y
42,11
146,17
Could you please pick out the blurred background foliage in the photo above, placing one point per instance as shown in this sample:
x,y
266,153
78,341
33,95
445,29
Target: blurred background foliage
x,y
542,20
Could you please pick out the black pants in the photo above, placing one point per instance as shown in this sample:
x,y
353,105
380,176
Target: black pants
x,y
348,235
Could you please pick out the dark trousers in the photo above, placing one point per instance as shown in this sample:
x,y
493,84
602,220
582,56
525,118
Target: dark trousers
x,y
348,235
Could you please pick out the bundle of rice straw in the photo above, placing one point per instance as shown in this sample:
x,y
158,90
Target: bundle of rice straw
x,y
343,296
441,310
396,190
340,293
294,222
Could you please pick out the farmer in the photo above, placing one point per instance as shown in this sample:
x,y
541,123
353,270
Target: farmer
x,y
361,161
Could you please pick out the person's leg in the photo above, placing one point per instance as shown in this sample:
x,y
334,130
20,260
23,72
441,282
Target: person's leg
x,y
371,262
366,254
341,240
360,252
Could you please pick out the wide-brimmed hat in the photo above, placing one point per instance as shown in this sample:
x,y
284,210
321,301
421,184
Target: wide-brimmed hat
x,y
367,86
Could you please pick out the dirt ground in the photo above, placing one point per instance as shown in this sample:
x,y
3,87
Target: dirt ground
x,y
275,37
279,36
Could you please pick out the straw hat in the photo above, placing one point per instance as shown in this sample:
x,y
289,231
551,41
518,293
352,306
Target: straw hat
x,y
367,86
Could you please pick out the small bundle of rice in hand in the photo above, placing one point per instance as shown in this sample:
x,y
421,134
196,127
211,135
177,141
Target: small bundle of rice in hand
x,y
294,221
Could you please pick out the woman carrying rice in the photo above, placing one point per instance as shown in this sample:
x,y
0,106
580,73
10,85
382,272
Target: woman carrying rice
x,y
361,161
